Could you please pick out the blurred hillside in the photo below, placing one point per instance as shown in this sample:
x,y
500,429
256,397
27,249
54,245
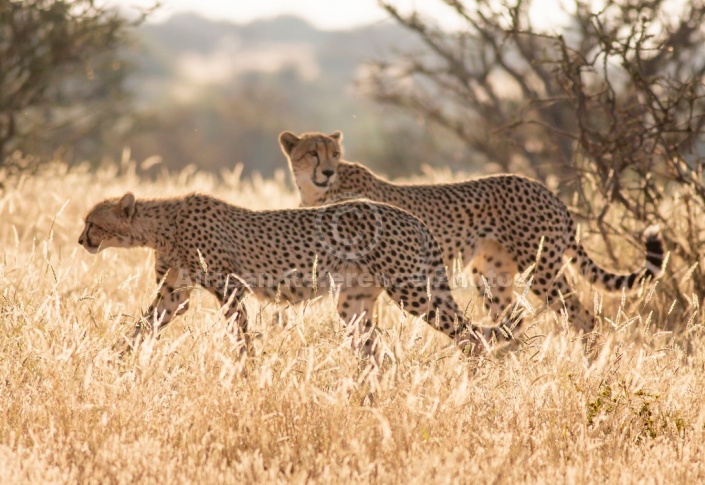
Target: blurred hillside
x,y
215,94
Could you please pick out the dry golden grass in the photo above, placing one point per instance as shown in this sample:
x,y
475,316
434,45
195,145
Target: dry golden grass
x,y
303,408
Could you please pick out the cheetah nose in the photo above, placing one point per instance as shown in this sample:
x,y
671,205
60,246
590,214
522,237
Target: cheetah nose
x,y
328,173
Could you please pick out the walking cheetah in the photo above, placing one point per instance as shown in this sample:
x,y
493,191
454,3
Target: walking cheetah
x,y
365,248
497,223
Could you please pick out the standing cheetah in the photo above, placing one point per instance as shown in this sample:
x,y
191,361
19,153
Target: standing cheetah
x,y
497,223
365,248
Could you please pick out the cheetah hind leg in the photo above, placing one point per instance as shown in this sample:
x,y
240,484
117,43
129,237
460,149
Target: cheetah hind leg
x,y
493,270
355,307
561,297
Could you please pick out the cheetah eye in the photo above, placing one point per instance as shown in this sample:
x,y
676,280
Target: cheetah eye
x,y
336,154
313,153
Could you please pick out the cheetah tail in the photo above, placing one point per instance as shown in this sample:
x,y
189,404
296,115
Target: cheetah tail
x,y
651,268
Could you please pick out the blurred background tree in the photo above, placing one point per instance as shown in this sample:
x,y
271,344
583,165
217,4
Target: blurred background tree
x,y
63,76
81,82
216,93
607,108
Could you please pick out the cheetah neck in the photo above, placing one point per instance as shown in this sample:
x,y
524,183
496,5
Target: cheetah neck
x,y
355,181
154,222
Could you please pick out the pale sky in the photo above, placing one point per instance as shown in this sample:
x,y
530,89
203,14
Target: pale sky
x,y
546,15
324,14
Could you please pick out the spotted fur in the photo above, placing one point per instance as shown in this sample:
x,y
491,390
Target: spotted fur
x,y
496,223
366,248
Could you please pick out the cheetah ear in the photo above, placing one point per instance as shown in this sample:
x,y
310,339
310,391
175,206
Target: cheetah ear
x,y
337,136
288,141
126,206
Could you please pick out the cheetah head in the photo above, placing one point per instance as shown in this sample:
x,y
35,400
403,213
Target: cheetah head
x,y
313,159
108,224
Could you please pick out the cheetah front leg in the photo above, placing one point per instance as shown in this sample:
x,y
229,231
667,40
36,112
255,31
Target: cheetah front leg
x,y
355,307
171,300
231,296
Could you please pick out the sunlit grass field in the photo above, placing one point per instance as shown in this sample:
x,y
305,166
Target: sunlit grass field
x,y
626,406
